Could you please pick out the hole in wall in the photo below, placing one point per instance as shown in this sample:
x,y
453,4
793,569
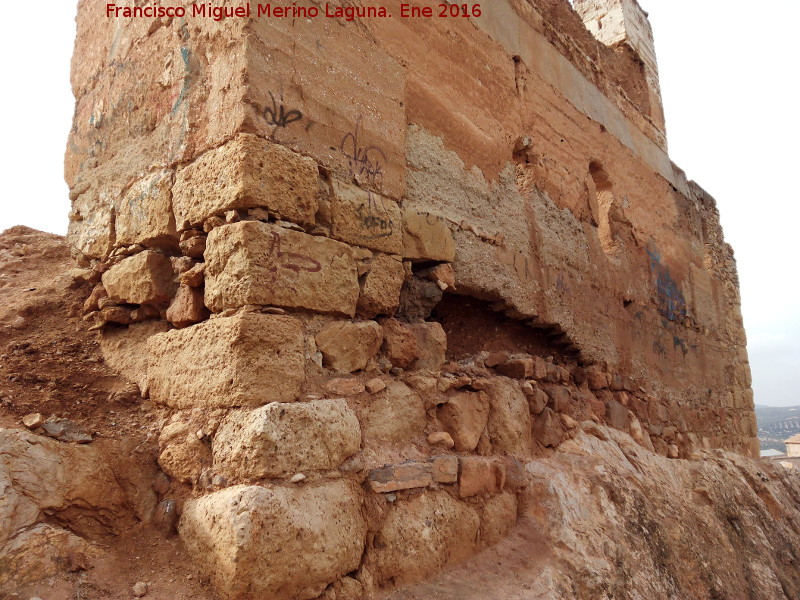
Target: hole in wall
x,y
472,327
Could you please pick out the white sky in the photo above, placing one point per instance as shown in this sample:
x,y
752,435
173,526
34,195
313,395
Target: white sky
x,y
729,77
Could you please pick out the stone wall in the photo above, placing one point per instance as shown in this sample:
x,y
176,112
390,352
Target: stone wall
x,y
375,265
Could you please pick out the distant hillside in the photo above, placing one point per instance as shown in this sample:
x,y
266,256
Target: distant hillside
x,y
776,424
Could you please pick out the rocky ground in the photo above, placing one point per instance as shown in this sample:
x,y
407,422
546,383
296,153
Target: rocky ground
x,y
602,517
51,364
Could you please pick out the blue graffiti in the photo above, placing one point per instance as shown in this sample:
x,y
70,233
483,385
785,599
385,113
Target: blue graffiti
x,y
671,303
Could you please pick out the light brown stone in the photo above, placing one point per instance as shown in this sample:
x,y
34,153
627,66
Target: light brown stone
x,y
375,385
498,516
399,343
396,415
309,535
464,417
144,278
517,368
251,262
248,359
183,455
365,218
426,237
444,468
348,346
277,440
247,172
547,429
441,437
345,386
421,536
145,213
187,307
380,291
431,346
479,475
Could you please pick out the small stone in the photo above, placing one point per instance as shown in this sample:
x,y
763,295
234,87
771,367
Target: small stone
x,y
495,358
480,475
568,421
441,437
65,430
194,247
672,451
139,589
297,478
161,484
409,475
517,368
375,385
33,420
195,276
344,387
166,517
400,343
444,469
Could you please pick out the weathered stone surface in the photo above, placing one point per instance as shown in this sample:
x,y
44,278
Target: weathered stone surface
x,y
431,346
187,307
145,213
479,475
277,440
66,430
247,172
464,417
342,386
365,218
547,428
399,343
245,360
43,552
444,468
498,516
33,420
72,483
348,346
251,262
183,455
407,475
309,536
144,278
380,291
426,237
421,536
125,350
396,415
517,368
441,437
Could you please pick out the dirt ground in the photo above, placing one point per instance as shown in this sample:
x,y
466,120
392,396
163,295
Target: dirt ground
x,y
51,363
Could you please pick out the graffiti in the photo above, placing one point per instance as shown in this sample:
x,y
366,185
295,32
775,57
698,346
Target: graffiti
x,y
277,116
561,284
364,161
292,261
370,217
671,303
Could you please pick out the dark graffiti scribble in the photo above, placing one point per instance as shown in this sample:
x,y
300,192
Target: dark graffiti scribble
x,y
374,216
293,261
364,161
277,115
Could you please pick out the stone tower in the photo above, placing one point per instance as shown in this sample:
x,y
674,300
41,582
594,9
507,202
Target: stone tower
x,y
384,261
